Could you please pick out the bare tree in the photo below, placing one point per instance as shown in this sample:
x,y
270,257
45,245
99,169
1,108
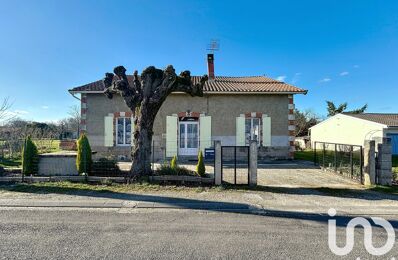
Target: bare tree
x,y
144,98
305,120
5,106
74,113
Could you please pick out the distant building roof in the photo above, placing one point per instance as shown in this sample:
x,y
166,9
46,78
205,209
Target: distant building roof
x,y
221,84
386,119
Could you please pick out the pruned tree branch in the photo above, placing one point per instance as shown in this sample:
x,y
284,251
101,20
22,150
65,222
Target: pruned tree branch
x,y
144,97
5,106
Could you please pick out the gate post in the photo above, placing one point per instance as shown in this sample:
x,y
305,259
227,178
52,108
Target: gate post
x,y
384,162
253,149
369,162
217,163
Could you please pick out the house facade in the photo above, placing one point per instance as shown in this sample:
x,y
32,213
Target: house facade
x,y
354,129
233,110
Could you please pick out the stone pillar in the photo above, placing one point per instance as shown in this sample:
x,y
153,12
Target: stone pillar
x,y
253,163
217,163
384,162
369,162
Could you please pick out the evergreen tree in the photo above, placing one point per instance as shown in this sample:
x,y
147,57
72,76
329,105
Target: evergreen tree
x,y
173,163
83,159
30,157
200,167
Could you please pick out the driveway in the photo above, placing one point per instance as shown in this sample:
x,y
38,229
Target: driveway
x,y
301,174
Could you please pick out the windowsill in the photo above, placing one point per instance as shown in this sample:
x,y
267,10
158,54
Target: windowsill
x,y
123,145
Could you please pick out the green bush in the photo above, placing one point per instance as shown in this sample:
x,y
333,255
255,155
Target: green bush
x,y
30,157
168,170
83,159
106,167
200,167
173,163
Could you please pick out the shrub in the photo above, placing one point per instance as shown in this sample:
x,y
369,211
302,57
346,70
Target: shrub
x,y
30,157
83,159
168,170
173,163
200,167
105,167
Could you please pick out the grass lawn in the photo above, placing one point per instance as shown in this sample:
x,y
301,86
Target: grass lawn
x,y
10,162
306,155
47,145
386,189
66,187
82,189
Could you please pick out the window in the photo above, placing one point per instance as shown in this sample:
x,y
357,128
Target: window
x,y
123,131
252,130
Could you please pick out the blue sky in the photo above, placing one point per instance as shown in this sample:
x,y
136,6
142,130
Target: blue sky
x,y
338,50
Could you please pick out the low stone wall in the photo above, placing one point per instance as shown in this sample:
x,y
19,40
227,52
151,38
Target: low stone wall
x,y
273,153
68,145
57,164
32,179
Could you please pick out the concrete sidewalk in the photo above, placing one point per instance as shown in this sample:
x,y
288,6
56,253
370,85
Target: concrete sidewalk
x,y
119,204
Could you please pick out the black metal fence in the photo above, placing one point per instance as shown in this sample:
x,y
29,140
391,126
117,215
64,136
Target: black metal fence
x,y
235,164
161,154
344,159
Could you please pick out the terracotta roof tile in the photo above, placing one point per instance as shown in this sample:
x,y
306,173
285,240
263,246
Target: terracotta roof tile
x,y
253,84
385,119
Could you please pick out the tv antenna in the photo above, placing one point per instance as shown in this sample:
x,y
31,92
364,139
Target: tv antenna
x,y
213,46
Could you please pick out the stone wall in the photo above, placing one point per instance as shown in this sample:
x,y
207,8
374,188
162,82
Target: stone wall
x,y
57,164
222,108
273,153
384,162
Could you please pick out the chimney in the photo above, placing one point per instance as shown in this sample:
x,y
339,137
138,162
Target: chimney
x,y
210,65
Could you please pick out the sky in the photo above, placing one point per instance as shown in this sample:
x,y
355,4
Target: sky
x,y
343,51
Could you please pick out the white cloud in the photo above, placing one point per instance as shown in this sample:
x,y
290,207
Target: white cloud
x,y
45,107
20,112
15,113
325,80
355,66
281,78
344,73
296,77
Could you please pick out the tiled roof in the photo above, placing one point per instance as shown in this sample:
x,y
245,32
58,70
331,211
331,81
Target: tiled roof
x,y
255,84
385,119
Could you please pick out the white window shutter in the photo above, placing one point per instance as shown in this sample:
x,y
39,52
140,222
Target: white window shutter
x,y
204,132
171,135
108,131
266,130
240,131
132,131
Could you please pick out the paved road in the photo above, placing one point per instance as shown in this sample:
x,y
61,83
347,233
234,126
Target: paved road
x,y
167,234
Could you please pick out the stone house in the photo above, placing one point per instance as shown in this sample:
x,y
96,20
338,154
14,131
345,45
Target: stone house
x,y
233,110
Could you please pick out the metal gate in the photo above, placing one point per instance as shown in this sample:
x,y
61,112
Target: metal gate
x,y
344,159
235,164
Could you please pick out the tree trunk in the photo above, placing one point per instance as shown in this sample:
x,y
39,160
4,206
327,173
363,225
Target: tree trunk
x,y
143,132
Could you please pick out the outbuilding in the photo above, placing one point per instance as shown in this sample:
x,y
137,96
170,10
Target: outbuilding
x,y
354,129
